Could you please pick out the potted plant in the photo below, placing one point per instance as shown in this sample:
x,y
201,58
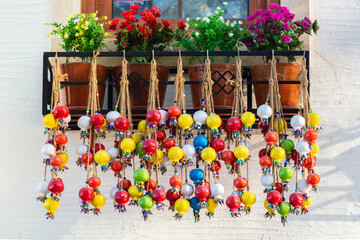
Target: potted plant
x,y
211,33
275,29
81,33
142,32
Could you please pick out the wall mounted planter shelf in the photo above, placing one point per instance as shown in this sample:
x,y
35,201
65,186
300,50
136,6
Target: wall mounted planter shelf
x,y
139,114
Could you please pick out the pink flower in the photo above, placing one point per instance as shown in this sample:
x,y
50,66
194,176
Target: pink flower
x,y
307,20
273,6
305,25
251,17
283,9
247,42
261,37
251,27
285,39
285,26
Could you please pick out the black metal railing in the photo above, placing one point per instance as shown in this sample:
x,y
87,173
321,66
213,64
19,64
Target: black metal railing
x,y
135,78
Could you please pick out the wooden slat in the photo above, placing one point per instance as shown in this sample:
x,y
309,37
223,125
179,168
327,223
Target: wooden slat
x,y
87,6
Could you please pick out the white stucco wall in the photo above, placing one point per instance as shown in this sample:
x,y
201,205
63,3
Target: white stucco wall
x,y
335,213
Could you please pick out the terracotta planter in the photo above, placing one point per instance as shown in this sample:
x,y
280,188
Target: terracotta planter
x,y
76,96
139,78
289,93
223,94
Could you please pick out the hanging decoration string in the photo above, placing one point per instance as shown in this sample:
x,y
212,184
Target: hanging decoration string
x,y
123,101
153,88
179,98
207,101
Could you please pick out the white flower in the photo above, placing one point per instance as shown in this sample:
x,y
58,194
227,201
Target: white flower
x,y
187,19
233,24
231,34
228,22
225,3
198,18
240,22
218,8
76,20
87,23
197,34
221,18
216,12
206,19
186,28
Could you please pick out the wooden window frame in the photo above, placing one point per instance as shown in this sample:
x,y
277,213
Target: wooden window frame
x,y
104,7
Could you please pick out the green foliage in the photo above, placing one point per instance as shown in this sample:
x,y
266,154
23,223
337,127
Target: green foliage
x,y
81,33
210,33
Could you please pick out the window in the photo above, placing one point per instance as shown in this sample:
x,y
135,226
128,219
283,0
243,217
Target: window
x,y
182,9
178,9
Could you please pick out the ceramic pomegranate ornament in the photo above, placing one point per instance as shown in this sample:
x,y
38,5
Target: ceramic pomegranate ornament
x,y
264,112
159,196
233,202
181,206
121,124
297,122
284,210
305,206
84,125
187,190
217,190
121,198
51,205
43,188
248,199
111,117
296,200
86,194
274,198
234,125
175,183
267,181
174,112
189,154
200,117
164,118
218,145
98,202
196,206
213,121
172,197
97,120
211,206
202,193
153,117
56,187
197,176
240,183
303,186
135,195
314,180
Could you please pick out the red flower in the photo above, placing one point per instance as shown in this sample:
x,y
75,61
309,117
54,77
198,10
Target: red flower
x,y
129,15
148,17
123,43
181,25
156,11
113,23
142,29
165,22
130,27
135,7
